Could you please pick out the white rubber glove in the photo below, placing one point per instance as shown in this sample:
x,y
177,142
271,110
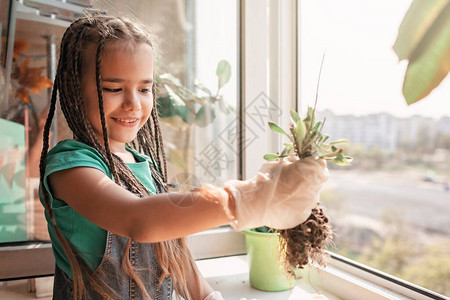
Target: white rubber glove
x,y
280,196
214,296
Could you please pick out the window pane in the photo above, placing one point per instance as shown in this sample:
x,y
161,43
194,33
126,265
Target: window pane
x,y
29,51
194,41
390,208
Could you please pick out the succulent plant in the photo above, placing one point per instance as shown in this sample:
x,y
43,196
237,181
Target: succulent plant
x,y
307,242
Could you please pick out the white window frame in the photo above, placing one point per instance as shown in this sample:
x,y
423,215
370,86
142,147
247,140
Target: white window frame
x,y
269,63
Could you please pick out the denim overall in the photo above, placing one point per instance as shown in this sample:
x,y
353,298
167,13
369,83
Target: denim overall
x,y
142,259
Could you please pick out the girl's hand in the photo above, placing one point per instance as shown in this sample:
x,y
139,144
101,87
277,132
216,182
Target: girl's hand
x,y
280,196
214,296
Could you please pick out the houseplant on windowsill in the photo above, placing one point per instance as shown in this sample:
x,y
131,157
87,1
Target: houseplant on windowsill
x,y
274,255
182,109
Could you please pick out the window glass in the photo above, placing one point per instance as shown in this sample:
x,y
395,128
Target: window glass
x,y
390,208
30,35
196,65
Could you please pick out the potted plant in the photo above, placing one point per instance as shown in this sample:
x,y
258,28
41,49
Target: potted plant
x,y
181,109
265,268
274,255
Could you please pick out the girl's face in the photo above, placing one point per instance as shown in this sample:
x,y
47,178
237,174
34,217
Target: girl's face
x,y
127,80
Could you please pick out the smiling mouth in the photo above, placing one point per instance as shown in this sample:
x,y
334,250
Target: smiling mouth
x,y
126,122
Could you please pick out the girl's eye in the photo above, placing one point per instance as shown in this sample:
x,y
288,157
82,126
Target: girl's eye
x,y
112,90
146,90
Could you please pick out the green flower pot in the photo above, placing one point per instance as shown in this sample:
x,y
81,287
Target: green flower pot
x,y
266,271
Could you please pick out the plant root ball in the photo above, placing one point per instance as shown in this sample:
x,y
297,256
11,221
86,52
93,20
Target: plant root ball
x,y
307,242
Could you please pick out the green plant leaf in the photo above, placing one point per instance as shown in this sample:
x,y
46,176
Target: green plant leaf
x,y
416,24
172,79
285,152
289,148
295,117
424,40
316,126
427,71
165,107
175,98
300,129
271,156
263,229
341,160
340,141
205,115
309,120
169,107
223,72
225,107
201,87
178,106
185,113
275,128
311,112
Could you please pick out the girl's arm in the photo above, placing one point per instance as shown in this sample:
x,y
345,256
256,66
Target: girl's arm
x,y
151,219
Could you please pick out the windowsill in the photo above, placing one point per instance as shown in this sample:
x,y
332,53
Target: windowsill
x,y
229,275
338,280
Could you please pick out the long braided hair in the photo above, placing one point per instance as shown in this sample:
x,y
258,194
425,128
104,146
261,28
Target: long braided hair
x,y
173,256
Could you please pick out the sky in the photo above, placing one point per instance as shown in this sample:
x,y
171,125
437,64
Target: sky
x,y
361,73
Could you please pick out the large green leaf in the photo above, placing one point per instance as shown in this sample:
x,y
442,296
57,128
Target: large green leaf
x,y
175,98
424,40
223,72
416,24
165,107
171,105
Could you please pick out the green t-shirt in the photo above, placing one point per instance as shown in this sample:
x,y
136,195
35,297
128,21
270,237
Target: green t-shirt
x,y
87,237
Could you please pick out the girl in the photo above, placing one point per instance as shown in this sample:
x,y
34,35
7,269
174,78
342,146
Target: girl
x,y
116,233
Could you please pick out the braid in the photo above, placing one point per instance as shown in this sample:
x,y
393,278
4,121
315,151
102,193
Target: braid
x,y
152,145
158,136
83,135
72,105
45,146
98,59
160,148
